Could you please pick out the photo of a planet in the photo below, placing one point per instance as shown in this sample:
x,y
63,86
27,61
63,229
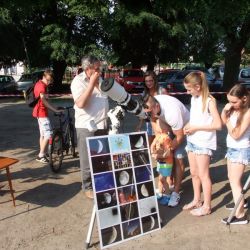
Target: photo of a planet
x,y
145,190
106,199
138,141
101,163
150,223
111,235
124,177
99,146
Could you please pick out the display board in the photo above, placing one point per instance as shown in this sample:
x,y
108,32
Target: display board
x,y
123,184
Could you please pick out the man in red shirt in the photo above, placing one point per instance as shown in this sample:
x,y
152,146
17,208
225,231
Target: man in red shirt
x,y
40,111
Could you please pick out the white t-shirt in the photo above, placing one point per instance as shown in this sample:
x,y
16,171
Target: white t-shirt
x,y
173,112
204,139
96,108
243,141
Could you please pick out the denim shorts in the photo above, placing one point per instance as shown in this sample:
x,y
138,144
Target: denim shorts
x,y
45,127
238,155
198,150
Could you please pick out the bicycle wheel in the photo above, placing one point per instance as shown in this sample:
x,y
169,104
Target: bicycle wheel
x,y
56,151
72,140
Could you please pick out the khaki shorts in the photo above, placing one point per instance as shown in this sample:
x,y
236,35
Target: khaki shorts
x,y
45,127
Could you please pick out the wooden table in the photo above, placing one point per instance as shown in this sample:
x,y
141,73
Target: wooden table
x,y
5,162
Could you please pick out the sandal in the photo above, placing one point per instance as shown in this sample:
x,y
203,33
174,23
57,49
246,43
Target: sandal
x,y
201,211
192,205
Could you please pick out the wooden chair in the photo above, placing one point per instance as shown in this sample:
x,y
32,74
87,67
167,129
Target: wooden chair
x,y
5,162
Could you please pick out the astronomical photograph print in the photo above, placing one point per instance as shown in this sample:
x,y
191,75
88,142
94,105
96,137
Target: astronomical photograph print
x,y
147,206
129,211
138,141
106,199
101,163
124,177
150,223
131,228
127,194
143,173
119,144
104,181
122,160
140,157
109,217
99,146
111,235
145,190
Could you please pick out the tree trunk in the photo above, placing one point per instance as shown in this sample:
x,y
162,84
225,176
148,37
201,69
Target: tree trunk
x,y
59,70
232,66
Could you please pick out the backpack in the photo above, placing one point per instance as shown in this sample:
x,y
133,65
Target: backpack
x,y
29,97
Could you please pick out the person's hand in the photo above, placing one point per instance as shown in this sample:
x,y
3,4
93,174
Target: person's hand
x,y
94,78
227,107
188,130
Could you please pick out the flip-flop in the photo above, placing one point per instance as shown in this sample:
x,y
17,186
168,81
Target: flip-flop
x,y
192,205
200,211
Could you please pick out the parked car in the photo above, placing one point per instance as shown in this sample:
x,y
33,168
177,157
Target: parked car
x,y
27,80
164,76
131,79
7,84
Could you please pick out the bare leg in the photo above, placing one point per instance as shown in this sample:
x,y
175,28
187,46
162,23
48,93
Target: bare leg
x,y
178,173
235,173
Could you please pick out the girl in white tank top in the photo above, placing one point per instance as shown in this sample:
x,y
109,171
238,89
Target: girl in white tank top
x,y
236,117
201,140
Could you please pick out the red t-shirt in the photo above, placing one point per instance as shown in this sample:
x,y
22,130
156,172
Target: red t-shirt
x,y
40,110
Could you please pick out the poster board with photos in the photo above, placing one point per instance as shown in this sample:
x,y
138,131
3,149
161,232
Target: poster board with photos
x,y
123,184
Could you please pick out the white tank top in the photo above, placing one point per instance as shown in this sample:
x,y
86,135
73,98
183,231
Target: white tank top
x,y
243,141
202,139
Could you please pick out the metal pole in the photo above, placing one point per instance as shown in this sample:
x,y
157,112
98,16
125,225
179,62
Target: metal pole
x,y
244,190
91,226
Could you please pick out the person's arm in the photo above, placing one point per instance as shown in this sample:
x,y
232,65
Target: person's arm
x,y
238,131
82,100
225,112
179,137
215,125
47,104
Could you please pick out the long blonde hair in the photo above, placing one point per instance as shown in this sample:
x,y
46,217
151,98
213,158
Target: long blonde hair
x,y
199,78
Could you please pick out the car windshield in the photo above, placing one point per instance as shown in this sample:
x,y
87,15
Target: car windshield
x,y
165,76
26,77
6,78
245,73
133,73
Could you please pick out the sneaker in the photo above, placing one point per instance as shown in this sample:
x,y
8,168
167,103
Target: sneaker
x,y
174,200
165,199
236,221
230,206
42,159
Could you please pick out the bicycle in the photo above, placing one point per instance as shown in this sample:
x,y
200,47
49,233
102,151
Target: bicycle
x,y
62,140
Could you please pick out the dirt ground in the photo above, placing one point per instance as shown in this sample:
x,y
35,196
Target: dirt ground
x,y
52,212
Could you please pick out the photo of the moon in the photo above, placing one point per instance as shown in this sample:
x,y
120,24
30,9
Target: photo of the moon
x,y
106,199
101,163
131,228
127,194
140,157
124,177
99,146
138,141
150,223
104,181
145,190
111,235
143,174
129,211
